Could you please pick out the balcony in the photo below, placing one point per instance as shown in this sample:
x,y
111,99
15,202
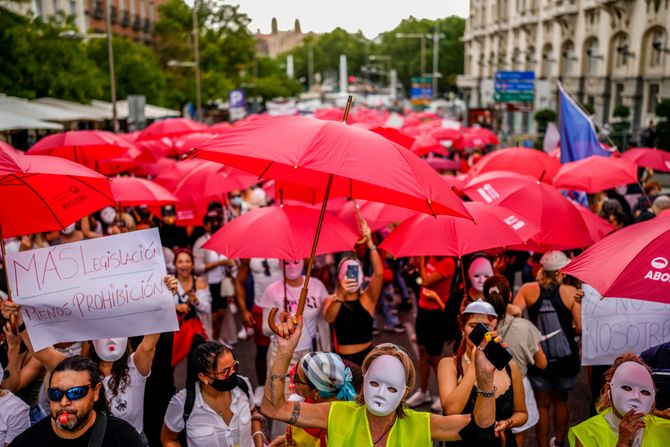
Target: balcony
x,y
125,19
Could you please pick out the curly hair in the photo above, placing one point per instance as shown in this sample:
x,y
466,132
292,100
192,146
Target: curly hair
x,y
120,378
604,402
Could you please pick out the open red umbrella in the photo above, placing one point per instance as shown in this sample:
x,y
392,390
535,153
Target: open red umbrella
x,y
441,134
135,191
629,263
171,127
152,170
281,232
597,226
475,137
494,226
649,158
8,147
182,145
83,146
377,215
561,225
520,160
596,173
41,193
345,160
423,144
390,133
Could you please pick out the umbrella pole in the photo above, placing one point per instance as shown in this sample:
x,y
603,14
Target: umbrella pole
x,y
12,319
465,289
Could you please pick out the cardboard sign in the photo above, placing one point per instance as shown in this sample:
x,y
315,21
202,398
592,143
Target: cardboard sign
x,y
612,326
105,287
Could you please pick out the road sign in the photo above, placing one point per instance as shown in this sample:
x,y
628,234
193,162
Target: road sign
x,y
422,89
515,76
514,96
514,86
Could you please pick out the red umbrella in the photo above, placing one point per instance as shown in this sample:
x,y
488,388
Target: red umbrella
x,y
629,263
561,225
329,114
446,134
443,164
597,226
494,226
171,127
83,146
476,137
595,174
453,181
649,158
134,191
390,133
5,147
220,128
520,160
41,193
423,144
154,169
281,232
344,159
185,143
377,215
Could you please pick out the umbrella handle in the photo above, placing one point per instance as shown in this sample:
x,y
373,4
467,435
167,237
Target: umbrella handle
x,y
273,312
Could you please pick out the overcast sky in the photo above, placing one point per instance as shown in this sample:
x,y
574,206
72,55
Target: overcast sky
x,y
370,16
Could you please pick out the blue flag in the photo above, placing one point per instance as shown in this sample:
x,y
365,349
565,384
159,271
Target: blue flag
x,y
578,134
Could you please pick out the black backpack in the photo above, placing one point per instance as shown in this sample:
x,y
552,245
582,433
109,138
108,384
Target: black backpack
x,y
190,402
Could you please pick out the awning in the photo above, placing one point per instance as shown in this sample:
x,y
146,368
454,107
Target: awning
x,y
92,113
151,112
13,121
18,106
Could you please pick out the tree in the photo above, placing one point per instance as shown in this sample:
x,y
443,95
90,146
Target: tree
x,y
543,118
620,127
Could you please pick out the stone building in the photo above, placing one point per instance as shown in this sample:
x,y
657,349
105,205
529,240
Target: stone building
x,y
277,41
605,52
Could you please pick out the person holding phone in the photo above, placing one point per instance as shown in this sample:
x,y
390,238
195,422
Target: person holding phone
x,y
351,308
456,379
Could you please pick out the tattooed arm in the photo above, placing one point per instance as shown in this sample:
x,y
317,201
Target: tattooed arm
x,y
275,405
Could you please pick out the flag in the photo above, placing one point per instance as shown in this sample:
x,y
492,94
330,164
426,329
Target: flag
x,y
551,138
578,134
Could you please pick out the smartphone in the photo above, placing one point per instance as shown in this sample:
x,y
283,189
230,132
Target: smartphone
x,y
495,352
352,272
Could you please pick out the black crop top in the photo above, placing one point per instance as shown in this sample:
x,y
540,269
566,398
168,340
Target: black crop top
x,y
353,324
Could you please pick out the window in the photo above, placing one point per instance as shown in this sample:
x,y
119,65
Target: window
x,y
618,95
151,11
592,57
547,61
652,98
39,12
657,47
55,6
567,58
591,101
73,7
621,48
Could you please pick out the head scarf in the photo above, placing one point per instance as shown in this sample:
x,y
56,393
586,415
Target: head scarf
x,y
326,371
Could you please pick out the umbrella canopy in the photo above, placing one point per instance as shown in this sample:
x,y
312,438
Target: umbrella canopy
x,y
172,127
281,232
377,215
361,164
520,160
41,193
154,169
630,263
390,133
83,146
476,137
597,226
561,225
494,226
423,144
134,191
596,173
441,133
649,158
185,143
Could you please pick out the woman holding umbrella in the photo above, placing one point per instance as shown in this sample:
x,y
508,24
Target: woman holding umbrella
x,y
351,308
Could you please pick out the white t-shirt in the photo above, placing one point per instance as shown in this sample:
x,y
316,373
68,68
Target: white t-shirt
x,y
129,404
205,427
313,313
264,276
14,417
202,256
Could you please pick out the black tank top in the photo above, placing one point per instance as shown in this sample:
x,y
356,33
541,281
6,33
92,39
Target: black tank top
x,y
353,324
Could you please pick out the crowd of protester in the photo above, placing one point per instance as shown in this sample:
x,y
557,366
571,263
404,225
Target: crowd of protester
x,y
323,379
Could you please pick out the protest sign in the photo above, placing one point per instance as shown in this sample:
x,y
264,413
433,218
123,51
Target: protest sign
x,y
612,326
99,288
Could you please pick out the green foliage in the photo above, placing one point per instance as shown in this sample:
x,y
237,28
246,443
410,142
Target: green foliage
x,y
663,126
588,108
543,118
621,112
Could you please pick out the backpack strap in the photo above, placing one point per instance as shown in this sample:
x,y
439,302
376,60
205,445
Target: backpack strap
x,y
188,405
99,429
242,384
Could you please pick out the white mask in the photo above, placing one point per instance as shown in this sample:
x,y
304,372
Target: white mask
x,y
342,275
107,215
293,270
69,229
480,270
384,385
110,349
632,388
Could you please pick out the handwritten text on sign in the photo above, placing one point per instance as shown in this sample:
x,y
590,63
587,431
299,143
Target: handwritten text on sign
x,y
616,325
105,287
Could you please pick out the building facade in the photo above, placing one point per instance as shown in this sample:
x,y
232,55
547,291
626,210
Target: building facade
x,y
607,53
135,19
278,42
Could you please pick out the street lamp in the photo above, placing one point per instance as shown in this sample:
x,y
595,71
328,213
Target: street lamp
x,y
191,64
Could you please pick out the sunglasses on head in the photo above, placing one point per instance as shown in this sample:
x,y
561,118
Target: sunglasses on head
x,y
74,393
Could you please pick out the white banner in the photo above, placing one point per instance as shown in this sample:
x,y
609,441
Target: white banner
x,y
105,287
612,326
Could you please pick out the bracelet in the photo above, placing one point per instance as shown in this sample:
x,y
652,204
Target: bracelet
x,y
21,327
374,247
483,393
258,433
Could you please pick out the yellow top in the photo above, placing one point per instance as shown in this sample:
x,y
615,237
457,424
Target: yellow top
x,y
595,432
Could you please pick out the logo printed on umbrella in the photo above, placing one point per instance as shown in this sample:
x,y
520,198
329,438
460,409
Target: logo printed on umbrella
x,y
488,193
515,222
667,164
659,263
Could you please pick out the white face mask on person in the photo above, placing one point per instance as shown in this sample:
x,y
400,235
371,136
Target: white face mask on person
x,y
632,388
480,270
350,270
110,349
293,269
384,385
107,215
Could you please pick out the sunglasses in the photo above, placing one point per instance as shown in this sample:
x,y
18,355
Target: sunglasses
x,y
295,378
227,372
74,393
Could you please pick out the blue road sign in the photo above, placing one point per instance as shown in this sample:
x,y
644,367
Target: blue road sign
x,y
514,86
515,76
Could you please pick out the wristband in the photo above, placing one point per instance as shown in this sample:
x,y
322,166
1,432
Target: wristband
x,y
374,247
21,327
483,393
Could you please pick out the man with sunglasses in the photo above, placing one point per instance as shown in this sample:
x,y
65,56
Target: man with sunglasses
x,y
79,412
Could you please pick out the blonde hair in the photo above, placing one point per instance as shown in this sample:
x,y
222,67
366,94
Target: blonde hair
x,y
405,360
547,278
604,402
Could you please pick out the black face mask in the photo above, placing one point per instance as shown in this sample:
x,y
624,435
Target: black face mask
x,y
224,384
